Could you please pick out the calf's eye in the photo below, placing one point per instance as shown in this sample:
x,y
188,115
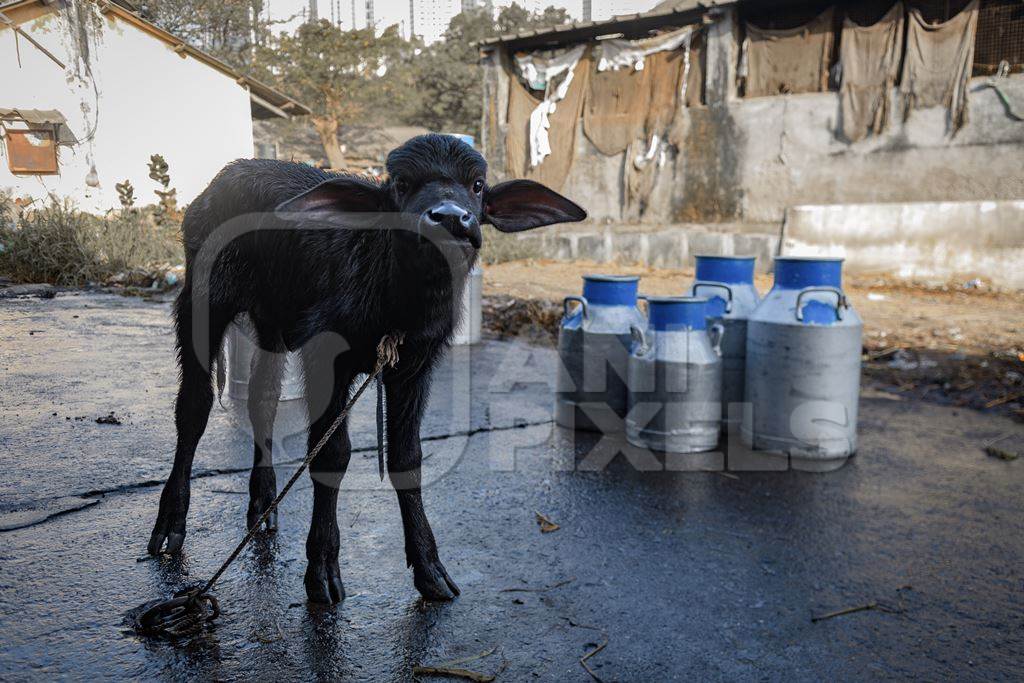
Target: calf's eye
x,y
478,186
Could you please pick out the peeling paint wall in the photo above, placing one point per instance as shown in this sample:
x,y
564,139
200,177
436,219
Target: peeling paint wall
x,y
147,100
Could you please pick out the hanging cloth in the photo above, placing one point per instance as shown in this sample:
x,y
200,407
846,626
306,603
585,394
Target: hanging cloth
x,y
778,62
870,62
544,130
631,54
553,73
616,108
938,63
642,84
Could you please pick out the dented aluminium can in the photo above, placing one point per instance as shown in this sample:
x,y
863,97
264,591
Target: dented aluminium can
x,y
675,378
803,366
728,282
593,350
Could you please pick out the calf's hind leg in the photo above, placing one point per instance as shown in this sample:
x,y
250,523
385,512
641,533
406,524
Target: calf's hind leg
x,y
264,394
191,413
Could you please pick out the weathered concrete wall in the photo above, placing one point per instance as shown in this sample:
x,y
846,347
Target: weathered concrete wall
x,y
750,159
939,240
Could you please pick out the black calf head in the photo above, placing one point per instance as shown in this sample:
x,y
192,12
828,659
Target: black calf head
x,y
440,183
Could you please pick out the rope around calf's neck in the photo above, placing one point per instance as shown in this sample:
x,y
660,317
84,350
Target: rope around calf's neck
x,y
387,356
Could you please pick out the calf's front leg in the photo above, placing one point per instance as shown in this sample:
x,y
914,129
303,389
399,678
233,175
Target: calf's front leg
x,y
406,400
323,577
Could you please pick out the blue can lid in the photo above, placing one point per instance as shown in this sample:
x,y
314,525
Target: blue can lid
x,y
797,272
468,139
610,290
731,270
677,312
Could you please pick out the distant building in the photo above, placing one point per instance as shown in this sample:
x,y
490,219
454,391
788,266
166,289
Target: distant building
x,y
89,96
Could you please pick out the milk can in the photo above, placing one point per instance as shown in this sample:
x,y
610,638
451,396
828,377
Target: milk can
x,y
728,282
593,349
803,366
471,321
675,378
240,346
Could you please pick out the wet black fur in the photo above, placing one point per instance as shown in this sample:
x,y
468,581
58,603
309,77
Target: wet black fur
x,y
326,265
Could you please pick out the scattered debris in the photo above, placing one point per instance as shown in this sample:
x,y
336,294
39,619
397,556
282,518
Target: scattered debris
x,y
267,639
597,647
875,296
906,360
1004,399
544,589
876,606
109,419
452,668
994,451
546,525
42,291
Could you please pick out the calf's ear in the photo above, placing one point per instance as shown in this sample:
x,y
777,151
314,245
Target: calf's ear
x,y
524,204
347,194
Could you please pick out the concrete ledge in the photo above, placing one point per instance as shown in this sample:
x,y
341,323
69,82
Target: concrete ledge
x,y
941,240
673,247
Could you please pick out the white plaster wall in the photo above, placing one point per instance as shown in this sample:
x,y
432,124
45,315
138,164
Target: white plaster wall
x,y
916,239
150,100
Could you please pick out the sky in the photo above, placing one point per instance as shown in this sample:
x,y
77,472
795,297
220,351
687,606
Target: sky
x,y
432,16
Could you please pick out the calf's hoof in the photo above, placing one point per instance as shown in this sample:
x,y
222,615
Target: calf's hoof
x,y
433,582
174,539
323,582
262,491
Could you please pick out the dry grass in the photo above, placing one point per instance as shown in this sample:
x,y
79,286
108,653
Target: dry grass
x,y
64,246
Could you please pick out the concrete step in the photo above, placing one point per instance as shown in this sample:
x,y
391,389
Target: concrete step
x,y
670,248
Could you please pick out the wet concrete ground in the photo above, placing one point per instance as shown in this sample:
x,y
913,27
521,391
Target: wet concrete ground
x,y
685,574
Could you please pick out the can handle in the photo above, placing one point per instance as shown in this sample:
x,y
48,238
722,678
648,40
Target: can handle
x,y
639,340
716,285
841,301
717,332
578,299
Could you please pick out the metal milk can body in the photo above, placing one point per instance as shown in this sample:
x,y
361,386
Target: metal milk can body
x,y
675,378
471,321
803,366
593,350
241,346
728,282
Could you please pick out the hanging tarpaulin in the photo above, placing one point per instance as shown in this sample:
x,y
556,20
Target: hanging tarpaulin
x,y
640,88
545,129
778,62
870,62
616,108
938,63
631,54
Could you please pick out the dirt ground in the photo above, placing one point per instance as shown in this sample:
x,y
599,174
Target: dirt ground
x,y
960,344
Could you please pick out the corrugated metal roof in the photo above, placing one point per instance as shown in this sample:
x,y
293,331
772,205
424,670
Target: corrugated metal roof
x,y
664,12
267,101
